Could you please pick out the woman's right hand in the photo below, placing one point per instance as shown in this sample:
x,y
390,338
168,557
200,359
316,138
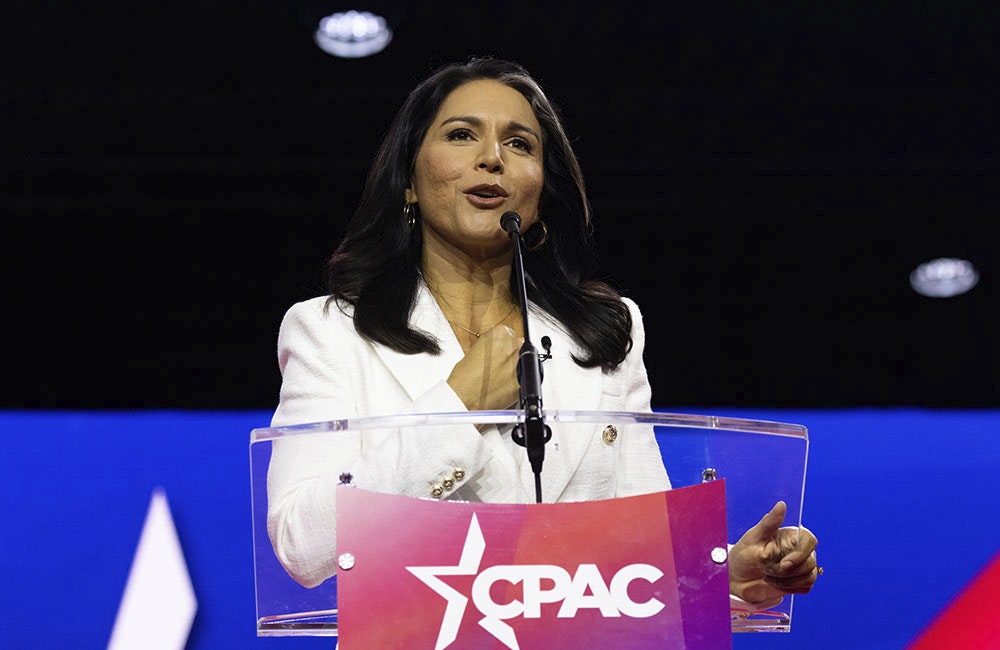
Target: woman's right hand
x,y
486,377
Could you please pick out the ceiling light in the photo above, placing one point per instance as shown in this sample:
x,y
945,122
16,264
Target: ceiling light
x,y
944,277
353,34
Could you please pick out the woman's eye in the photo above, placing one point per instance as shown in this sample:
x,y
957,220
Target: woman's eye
x,y
460,134
521,143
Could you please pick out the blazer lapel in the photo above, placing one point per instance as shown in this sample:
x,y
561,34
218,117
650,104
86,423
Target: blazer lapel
x,y
565,387
416,373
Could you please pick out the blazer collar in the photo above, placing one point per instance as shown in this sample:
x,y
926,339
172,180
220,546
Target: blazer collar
x,y
565,385
576,388
417,373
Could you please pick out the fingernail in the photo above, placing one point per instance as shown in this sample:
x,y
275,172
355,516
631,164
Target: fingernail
x,y
787,564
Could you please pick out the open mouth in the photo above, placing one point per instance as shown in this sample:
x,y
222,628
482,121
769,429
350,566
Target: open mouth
x,y
487,192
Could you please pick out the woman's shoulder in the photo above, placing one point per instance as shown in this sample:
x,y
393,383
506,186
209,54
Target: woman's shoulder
x,y
638,331
320,311
633,308
632,305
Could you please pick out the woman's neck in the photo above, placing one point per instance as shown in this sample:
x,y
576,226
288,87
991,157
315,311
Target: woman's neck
x,y
473,294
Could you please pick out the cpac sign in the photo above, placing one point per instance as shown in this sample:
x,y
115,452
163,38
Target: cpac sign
x,y
584,589
611,599
632,572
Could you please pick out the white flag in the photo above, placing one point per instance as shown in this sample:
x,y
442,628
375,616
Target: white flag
x,y
158,606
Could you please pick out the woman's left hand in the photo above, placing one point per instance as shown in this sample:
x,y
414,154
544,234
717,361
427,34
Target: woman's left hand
x,y
769,562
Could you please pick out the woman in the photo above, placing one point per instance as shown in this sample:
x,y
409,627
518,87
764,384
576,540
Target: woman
x,y
422,316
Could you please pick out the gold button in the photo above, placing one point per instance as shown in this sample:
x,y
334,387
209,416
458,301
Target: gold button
x,y
610,434
437,491
459,473
448,483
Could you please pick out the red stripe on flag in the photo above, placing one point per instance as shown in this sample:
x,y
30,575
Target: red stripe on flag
x,y
970,620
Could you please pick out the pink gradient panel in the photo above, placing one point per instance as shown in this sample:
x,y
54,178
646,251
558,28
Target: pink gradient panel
x,y
582,546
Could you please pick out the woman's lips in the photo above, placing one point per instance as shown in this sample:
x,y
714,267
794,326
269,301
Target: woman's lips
x,y
485,202
486,196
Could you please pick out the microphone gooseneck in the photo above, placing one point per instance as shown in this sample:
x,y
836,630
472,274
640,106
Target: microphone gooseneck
x,y
533,433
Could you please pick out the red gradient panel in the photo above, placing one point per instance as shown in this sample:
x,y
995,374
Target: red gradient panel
x,y
970,620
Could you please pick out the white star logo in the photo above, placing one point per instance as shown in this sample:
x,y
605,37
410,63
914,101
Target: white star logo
x,y
468,565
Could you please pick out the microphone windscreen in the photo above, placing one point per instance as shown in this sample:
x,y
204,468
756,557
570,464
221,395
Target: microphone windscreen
x,y
510,222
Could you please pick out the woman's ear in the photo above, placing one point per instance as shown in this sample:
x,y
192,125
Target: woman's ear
x,y
410,196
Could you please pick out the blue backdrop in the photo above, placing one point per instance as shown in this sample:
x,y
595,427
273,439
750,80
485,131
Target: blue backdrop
x,y
905,503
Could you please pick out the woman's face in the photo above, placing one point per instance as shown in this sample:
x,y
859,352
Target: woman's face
x,y
481,157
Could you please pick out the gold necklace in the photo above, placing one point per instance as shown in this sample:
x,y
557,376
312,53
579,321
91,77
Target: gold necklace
x,y
480,332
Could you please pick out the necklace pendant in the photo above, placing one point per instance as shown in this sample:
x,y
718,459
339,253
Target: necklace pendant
x,y
479,333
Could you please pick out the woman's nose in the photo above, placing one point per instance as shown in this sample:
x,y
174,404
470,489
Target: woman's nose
x,y
491,157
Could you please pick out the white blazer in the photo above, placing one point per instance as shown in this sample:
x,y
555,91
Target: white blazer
x,y
329,372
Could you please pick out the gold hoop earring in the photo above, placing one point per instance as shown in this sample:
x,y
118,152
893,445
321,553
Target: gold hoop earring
x,y
410,215
535,235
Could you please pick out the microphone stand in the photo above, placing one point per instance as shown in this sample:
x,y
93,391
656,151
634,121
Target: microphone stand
x,y
533,433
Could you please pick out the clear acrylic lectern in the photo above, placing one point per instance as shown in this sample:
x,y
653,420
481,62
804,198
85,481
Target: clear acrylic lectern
x,y
756,462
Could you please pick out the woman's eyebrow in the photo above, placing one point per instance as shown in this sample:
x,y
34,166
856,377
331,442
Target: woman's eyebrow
x,y
475,121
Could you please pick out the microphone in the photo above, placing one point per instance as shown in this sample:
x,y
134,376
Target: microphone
x,y
511,223
533,433
547,344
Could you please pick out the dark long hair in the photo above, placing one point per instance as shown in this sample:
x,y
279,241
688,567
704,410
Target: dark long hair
x,y
376,267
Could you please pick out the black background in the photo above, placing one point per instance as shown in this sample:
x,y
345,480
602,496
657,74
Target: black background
x,y
765,176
